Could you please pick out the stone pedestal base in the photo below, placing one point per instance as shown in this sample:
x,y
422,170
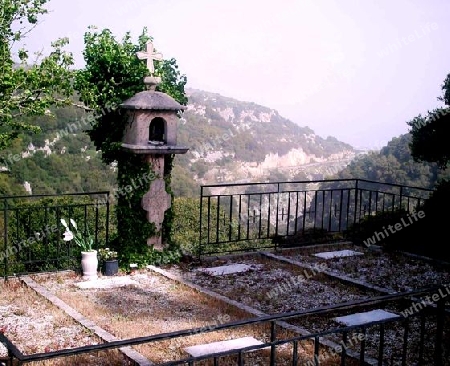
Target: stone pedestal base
x,y
156,201
156,242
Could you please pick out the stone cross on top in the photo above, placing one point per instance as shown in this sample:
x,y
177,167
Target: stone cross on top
x,y
150,56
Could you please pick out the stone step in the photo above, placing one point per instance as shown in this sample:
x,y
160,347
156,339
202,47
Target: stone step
x,y
222,346
365,317
228,269
337,254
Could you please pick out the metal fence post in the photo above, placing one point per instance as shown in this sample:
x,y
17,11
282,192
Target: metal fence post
x,y
440,317
199,251
278,205
401,198
356,207
107,219
5,238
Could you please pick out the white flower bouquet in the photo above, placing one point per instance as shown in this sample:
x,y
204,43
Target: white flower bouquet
x,y
84,241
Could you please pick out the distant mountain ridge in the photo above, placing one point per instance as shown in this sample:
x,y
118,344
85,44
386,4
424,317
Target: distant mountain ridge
x,y
229,140
232,140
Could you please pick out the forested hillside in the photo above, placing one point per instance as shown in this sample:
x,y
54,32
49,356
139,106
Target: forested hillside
x,y
59,159
254,131
394,164
228,139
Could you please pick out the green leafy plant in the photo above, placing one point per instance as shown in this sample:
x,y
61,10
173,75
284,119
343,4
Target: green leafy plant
x,y
307,236
106,254
84,240
29,89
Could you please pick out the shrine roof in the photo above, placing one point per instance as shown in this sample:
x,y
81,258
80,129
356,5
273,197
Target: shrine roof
x,y
153,100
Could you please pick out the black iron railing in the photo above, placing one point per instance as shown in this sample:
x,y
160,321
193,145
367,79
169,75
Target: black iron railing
x,y
419,336
253,214
31,230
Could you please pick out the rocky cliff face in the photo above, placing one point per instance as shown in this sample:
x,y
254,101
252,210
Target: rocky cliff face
x,y
233,141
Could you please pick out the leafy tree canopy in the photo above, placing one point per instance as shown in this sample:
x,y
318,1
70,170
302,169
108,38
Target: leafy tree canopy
x,y
113,74
28,89
430,133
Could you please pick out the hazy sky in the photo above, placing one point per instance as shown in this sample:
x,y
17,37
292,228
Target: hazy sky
x,y
353,69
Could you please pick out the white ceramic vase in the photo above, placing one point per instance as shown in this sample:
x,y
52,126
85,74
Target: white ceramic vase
x,y
89,265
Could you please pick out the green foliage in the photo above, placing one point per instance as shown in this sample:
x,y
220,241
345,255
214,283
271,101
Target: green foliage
x,y
308,236
35,232
429,134
9,187
106,254
113,74
394,164
429,137
186,224
183,183
72,166
28,90
446,89
368,225
132,223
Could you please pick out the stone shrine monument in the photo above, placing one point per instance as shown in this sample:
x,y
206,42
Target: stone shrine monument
x,y
151,131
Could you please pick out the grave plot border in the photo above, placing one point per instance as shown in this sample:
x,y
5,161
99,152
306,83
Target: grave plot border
x,y
340,277
437,312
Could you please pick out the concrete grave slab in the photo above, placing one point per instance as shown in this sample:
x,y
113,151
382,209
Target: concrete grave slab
x,y
229,269
338,253
216,347
366,317
112,282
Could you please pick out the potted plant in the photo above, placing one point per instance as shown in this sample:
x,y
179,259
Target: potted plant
x,y
89,260
110,261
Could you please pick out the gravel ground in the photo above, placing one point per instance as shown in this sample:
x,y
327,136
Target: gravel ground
x,y
34,324
273,287
152,305
394,271
269,286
